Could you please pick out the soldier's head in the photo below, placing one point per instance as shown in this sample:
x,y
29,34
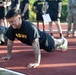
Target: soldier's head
x,y
13,16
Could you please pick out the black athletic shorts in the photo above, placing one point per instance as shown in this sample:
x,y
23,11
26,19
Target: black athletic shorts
x,y
53,14
3,12
39,17
54,17
26,16
49,44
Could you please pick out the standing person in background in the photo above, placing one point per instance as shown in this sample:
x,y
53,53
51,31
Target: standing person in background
x,y
54,10
2,12
38,9
15,4
71,17
8,3
24,6
3,22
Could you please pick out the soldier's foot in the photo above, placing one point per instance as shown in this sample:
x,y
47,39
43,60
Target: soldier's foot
x,y
1,42
64,45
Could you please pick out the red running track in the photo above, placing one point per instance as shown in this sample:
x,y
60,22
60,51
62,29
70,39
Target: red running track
x,y
55,63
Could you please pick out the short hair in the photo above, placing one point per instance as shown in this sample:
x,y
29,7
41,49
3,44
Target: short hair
x,y
13,12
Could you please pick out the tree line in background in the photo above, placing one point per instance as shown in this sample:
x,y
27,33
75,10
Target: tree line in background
x,y
63,16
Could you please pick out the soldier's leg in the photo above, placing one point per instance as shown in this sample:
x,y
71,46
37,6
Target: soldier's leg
x,y
2,34
1,38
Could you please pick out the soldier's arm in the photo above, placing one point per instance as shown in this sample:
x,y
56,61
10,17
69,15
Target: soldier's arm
x,y
37,53
9,50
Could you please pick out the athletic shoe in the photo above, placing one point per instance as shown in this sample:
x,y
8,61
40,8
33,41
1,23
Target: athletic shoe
x,y
64,45
1,43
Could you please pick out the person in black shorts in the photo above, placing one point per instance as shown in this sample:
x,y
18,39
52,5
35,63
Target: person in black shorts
x,y
3,23
38,9
54,11
2,17
2,12
24,6
15,4
29,34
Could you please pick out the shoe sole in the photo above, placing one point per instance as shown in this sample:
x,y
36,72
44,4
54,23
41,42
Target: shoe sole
x,y
63,47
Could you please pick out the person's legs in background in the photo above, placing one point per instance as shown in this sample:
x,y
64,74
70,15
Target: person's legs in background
x,y
39,18
38,24
50,28
69,21
3,38
59,28
43,25
74,26
2,30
